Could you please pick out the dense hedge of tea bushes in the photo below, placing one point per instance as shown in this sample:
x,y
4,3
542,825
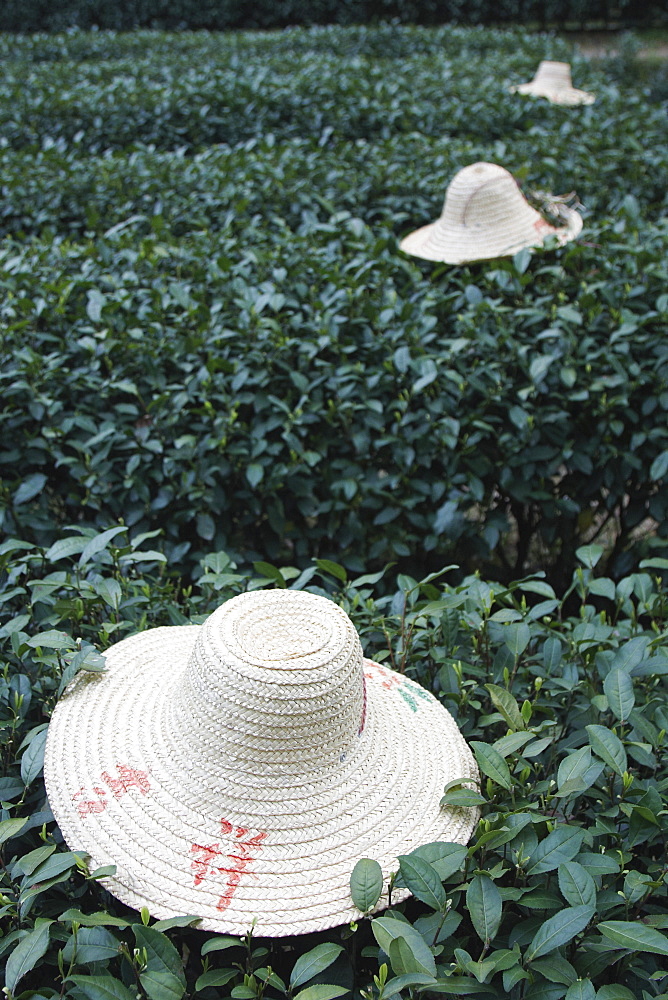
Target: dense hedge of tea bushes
x,y
562,892
209,329
34,15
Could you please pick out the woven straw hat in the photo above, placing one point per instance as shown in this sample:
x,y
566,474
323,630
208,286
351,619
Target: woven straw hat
x,y
485,215
237,770
553,81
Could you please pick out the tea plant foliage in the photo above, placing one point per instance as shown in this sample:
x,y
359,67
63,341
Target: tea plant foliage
x,y
208,325
562,891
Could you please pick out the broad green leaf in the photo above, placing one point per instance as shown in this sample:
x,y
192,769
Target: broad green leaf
x,y
221,944
516,637
492,763
581,989
559,846
321,992
576,884
589,555
618,688
70,546
366,884
559,930
162,984
386,929
271,572
556,969
29,862
99,919
334,569
402,959
163,959
11,827
445,858
101,988
215,977
460,986
27,954
32,760
99,542
51,639
634,936
29,488
166,925
313,962
93,944
422,880
483,901
608,747
506,705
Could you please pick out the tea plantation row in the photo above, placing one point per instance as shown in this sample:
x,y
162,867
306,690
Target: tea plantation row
x,y
225,342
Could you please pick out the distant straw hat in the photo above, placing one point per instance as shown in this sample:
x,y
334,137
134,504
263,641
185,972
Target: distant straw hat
x,y
553,81
237,770
485,215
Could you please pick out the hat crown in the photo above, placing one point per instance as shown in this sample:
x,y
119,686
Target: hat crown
x,y
482,196
553,75
274,683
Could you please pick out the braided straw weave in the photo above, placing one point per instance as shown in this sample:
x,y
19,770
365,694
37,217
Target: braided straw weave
x,y
239,769
553,81
485,215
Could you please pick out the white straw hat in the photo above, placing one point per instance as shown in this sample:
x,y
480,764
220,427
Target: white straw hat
x,y
553,81
237,770
485,215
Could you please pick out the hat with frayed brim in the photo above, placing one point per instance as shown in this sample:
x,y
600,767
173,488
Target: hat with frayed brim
x,y
237,770
485,215
553,81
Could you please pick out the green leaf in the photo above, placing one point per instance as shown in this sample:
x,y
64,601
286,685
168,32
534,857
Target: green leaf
x,y
492,764
423,882
445,858
321,992
313,962
589,555
51,639
98,543
221,944
254,474
559,930
402,959
634,936
618,688
608,747
164,978
366,884
29,488
64,547
659,467
32,760
483,901
576,884
166,925
334,569
27,953
516,637
101,988
559,846
271,572
556,969
11,827
161,984
215,977
99,919
386,929
582,989
506,705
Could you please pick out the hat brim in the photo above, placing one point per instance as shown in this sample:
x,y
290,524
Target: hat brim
x,y
231,847
567,96
460,244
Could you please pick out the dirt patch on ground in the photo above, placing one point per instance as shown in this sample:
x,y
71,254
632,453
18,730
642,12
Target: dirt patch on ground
x,y
601,44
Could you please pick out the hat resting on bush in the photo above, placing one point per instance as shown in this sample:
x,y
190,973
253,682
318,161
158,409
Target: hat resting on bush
x,y
237,770
485,215
553,81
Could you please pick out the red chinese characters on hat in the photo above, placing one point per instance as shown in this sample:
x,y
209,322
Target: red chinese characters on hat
x,y
88,803
244,849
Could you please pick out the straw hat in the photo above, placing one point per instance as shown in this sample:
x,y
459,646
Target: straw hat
x,y
237,770
553,80
485,215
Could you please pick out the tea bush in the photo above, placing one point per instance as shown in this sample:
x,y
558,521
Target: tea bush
x,y
32,15
562,891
